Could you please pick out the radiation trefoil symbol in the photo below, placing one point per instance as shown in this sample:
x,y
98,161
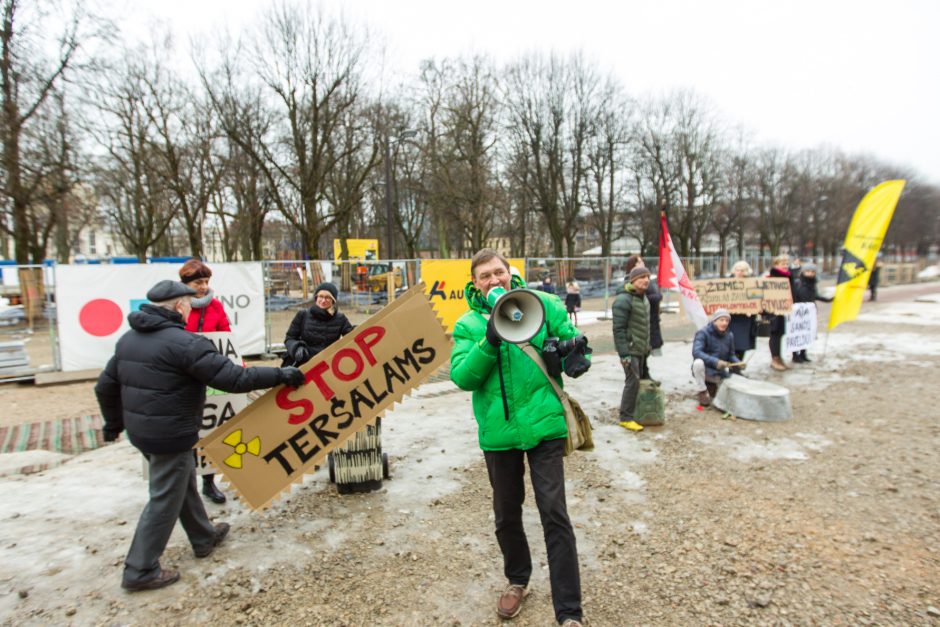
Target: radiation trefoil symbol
x,y
234,439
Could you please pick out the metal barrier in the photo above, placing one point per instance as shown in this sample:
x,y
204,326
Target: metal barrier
x,y
28,305
27,315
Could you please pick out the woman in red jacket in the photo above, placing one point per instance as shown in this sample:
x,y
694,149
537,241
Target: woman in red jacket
x,y
207,315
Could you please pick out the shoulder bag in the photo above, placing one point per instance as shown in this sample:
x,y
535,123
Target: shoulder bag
x,y
580,435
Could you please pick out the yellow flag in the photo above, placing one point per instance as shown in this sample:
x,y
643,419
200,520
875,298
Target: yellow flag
x,y
862,243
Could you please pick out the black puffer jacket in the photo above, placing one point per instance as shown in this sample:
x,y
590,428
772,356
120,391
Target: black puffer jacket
x,y
155,384
655,297
317,329
805,290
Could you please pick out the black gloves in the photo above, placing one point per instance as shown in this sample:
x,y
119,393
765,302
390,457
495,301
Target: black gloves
x,y
301,353
110,435
491,336
293,377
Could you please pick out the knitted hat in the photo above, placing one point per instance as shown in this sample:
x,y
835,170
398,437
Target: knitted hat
x,y
719,313
326,287
638,272
194,269
168,290
810,267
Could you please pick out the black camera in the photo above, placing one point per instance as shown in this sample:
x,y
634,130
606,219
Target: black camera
x,y
568,355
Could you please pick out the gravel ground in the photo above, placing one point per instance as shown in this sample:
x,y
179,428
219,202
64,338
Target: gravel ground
x,y
830,518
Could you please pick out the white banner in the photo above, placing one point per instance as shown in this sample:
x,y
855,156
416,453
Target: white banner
x,y
93,301
801,327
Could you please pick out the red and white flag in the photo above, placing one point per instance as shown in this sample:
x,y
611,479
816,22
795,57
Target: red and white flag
x,y
672,275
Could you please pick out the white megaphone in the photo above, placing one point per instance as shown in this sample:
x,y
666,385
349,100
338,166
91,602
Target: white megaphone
x,y
517,315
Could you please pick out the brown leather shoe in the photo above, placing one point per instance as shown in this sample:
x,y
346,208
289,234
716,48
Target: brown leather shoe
x,y
777,364
221,530
165,578
510,601
704,399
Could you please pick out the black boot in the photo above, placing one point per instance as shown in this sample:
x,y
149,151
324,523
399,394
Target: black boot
x,y
210,490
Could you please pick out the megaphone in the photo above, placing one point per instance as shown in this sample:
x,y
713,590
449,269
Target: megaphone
x,y
517,315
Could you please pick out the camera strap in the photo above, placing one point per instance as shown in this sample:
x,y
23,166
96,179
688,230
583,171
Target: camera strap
x,y
499,369
533,352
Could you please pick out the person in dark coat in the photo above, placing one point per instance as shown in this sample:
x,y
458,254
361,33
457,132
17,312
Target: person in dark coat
x,y
155,387
655,298
631,327
806,290
780,268
313,329
743,326
712,355
573,300
874,277
547,286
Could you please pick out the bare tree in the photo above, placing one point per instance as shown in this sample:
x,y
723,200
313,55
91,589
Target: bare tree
x,y
606,166
656,175
131,180
28,78
186,139
551,108
354,149
312,66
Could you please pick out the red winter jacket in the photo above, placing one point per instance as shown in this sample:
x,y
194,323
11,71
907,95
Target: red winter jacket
x,y
213,318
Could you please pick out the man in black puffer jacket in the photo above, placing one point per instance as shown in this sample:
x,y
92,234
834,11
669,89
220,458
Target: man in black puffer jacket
x,y
155,387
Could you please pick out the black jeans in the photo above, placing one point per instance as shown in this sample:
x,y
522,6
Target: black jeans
x,y
775,341
507,477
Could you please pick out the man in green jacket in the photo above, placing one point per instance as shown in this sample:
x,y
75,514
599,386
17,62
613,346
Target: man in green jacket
x,y
519,417
631,313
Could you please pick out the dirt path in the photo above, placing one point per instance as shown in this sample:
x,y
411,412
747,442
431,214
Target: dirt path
x,y
830,518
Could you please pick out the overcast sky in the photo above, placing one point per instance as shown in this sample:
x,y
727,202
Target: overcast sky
x,y
858,75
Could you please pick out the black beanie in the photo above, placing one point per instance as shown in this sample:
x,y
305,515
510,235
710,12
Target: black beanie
x,y
329,287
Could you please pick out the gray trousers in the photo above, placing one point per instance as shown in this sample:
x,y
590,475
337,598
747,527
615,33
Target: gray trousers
x,y
173,496
631,386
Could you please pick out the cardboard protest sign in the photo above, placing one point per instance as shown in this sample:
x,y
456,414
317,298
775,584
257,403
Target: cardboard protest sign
x,y
750,296
288,431
220,406
801,327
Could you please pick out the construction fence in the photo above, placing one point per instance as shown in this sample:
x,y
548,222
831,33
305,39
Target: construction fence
x,y
29,329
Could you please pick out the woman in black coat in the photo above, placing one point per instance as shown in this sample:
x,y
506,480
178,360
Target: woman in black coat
x,y
743,326
313,329
805,290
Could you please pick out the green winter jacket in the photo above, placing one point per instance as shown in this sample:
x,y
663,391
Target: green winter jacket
x,y
631,312
532,412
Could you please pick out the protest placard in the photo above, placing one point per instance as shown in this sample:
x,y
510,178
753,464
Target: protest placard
x,y
801,327
286,432
750,296
220,406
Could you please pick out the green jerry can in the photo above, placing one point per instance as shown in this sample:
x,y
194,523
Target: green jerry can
x,y
650,404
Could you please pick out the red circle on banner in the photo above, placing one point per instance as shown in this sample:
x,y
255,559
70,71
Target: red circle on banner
x,y
100,317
